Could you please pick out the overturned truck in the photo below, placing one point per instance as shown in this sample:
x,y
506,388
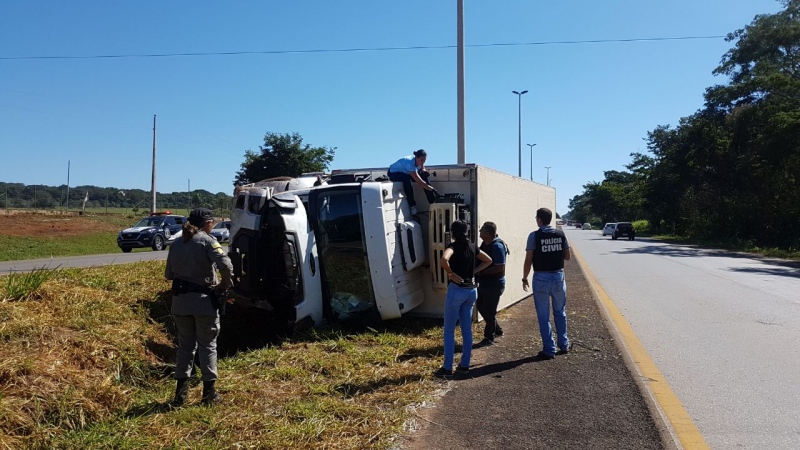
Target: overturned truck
x,y
349,248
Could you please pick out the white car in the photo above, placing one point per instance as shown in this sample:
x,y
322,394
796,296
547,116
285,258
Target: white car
x,y
222,231
608,230
586,226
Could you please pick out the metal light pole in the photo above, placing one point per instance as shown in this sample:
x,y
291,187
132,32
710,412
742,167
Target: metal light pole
x,y
519,126
531,146
548,174
460,81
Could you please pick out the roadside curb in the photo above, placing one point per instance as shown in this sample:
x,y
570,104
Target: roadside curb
x,y
672,439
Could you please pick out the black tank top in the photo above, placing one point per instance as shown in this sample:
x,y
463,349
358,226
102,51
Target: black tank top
x,y
463,262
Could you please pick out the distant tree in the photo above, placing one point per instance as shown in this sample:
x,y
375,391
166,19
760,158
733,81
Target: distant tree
x,y
283,155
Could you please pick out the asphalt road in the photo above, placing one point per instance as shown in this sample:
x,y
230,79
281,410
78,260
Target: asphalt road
x,y
80,261
722,328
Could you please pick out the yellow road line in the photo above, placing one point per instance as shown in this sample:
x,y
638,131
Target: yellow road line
x,y
673,411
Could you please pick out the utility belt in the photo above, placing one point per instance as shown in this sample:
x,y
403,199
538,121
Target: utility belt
x,y
217,298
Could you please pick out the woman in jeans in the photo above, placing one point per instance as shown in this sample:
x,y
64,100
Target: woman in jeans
x,y
458,261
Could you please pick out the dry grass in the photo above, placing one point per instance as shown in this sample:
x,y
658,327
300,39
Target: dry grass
x,y
85,357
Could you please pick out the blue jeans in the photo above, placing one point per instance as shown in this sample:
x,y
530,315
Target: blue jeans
x,y
458,308
408,186
547,286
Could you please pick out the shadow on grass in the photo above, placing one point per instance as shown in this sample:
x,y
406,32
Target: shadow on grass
x,y
350,390
245,329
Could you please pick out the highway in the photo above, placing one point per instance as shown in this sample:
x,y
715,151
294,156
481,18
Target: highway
x,y
722,327
7,267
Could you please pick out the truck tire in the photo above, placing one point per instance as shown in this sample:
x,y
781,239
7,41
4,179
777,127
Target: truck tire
x,y
126,249
614,236
158,243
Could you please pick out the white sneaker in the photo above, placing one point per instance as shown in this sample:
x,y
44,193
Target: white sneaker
x,y
413,210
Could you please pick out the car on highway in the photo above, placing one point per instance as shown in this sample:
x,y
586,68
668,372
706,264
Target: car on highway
x,y
586,226
624,229
156,231
609,228
222,231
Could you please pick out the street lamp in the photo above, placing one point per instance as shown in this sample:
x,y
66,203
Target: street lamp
x,y
548,174
531,146
519,127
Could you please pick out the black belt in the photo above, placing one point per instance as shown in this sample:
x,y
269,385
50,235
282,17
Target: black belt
x,y
184,287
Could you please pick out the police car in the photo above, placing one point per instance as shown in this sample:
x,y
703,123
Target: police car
x,y
156,231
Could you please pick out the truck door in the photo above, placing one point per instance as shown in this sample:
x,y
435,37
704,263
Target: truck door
x,y
337,220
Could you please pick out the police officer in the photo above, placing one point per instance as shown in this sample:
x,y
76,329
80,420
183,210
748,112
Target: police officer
x,y
197,294
547,249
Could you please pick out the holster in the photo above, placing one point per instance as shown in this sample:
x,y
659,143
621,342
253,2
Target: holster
x,y
184,287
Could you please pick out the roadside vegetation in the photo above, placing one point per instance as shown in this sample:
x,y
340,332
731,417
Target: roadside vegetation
x,y
88,355
36,235
727,175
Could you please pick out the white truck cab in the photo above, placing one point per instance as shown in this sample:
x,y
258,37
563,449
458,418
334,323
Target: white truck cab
x,y
349,248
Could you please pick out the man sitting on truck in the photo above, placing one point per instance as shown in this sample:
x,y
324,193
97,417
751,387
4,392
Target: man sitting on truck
x,y
410,168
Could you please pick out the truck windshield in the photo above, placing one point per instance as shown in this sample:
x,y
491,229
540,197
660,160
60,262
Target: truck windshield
x,y
342,250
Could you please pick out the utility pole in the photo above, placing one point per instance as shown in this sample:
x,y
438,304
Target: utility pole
x,y
519,129
460,81
67,203
153,182
531,146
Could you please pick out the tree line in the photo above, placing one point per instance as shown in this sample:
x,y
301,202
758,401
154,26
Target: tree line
x,y
729,171
281,155
22,196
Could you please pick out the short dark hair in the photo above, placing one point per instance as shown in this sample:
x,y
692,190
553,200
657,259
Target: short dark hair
x,y
489,227
420,153
545,214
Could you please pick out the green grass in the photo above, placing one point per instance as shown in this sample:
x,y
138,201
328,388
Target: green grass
x,y
14,248
98,235
84,364
642,228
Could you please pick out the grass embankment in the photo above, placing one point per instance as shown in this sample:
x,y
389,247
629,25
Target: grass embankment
x,y
86,358
33,236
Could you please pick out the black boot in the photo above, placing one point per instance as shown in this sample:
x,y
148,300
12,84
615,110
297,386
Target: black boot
x,y
210,396
181,392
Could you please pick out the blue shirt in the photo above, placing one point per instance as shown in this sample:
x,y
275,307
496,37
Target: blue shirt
x,y
404,165
497,251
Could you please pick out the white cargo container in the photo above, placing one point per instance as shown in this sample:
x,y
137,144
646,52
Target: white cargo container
x,y
351,248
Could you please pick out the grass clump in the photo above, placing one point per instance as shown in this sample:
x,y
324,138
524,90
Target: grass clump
x,y
86,365
19,286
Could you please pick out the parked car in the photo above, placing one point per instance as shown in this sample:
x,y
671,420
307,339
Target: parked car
x,y
222,231
624,229
586,226
156,231
609,228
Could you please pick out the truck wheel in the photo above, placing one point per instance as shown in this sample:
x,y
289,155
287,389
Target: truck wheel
x,y
126,249
158,243
614,237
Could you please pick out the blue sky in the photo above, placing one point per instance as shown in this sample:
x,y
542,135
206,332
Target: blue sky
x,y
588,106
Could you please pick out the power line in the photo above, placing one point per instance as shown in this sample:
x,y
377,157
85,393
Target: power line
x,y
374,49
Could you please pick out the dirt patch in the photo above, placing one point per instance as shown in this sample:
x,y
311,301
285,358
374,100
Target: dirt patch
x,y
40,225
